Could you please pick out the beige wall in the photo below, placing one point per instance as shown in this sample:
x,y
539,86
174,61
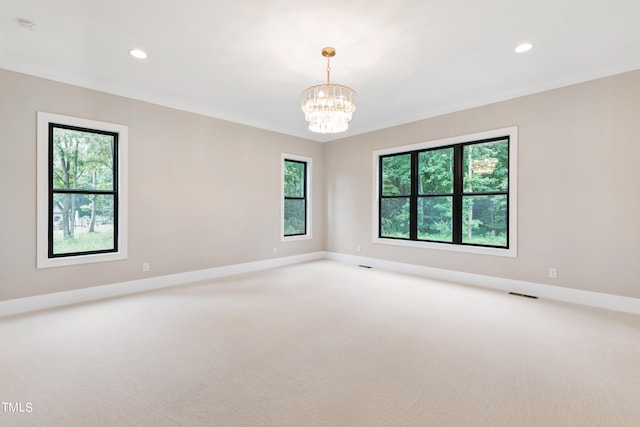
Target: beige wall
x,y
578,197
202,192
205,193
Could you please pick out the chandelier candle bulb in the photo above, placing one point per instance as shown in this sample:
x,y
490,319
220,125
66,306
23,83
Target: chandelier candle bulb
x,y
328,107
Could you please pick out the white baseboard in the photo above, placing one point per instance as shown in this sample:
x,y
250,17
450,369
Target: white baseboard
x,y
58,299
576,296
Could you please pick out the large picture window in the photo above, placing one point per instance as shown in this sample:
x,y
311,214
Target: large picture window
x,y
80,197
295,197
458,193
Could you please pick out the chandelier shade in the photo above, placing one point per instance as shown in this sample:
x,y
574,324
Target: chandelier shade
x,y
328,107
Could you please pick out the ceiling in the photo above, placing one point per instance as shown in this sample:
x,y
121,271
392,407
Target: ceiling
x,y
247,61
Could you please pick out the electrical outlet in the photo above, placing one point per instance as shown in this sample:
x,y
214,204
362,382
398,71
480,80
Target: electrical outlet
x,y
145,266
553,272
275,250
358,248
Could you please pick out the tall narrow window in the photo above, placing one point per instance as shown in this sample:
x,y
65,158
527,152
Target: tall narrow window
x,y
459,192
295,191
80,197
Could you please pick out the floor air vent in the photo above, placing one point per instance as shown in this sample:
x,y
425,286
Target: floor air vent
x,y
523,295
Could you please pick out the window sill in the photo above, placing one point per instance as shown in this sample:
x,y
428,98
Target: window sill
x,y
511,252
45,262
295,238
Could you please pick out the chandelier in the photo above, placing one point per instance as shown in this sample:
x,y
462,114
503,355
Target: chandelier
x,y
484,166
328,107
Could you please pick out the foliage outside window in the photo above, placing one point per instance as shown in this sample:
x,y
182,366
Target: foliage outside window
x,y
295,204
453,194
83,214
295,187
81,188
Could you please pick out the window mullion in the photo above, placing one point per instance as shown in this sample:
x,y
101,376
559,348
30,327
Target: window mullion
x,y
304,189
380,194
413,200
457,194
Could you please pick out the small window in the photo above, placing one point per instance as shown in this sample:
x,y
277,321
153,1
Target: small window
x,y
295,197
457,194
81,203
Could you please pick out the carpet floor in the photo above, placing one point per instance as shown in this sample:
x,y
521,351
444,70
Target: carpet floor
x,y
321,344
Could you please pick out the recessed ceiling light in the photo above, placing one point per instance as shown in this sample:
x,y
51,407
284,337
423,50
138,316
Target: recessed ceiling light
x,y
137,53
523,47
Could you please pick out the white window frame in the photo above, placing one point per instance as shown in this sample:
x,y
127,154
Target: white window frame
x,y
309,197
511,251
42,220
